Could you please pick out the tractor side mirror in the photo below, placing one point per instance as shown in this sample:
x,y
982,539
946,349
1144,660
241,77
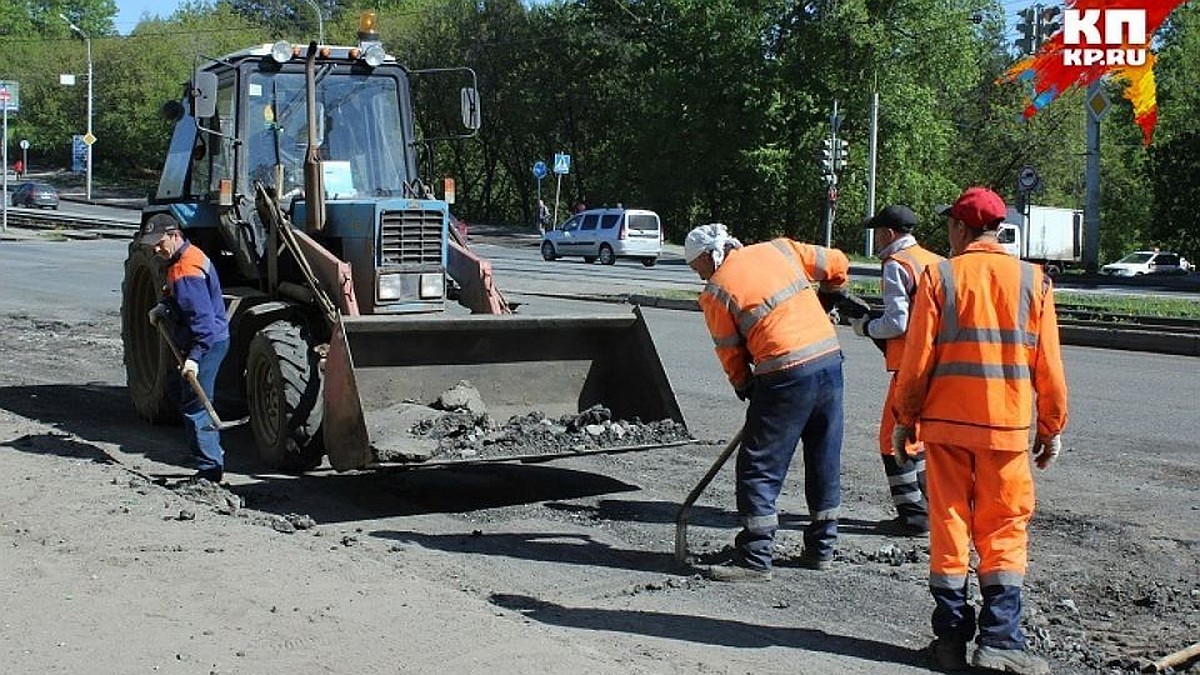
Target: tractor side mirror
x,y
470,108
204,95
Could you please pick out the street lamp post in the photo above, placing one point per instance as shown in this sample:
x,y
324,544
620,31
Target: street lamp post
x,y
90,138
320,22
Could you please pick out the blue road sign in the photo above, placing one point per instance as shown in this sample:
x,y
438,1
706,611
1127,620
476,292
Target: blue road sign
x,y
78,154
562,163
539,169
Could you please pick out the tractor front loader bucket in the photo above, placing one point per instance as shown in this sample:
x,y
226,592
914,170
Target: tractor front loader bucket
x,y
519,364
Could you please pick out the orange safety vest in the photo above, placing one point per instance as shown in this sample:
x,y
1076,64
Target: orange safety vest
x,y
761,307
982,339
914,259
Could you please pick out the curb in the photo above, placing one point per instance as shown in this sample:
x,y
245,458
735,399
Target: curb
x,y
1126,339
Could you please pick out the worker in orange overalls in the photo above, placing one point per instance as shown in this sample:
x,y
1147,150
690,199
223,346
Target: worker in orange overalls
x,y
780,352
982,341
903,260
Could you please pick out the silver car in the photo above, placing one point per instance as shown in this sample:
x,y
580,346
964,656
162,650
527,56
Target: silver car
x,y
605,235
41,195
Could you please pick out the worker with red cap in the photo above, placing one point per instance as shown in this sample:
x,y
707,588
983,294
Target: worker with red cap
x,y
902,261
982,343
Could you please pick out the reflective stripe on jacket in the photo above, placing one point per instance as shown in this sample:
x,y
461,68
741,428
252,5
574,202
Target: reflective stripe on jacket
x,y
914,259
982,339
762,310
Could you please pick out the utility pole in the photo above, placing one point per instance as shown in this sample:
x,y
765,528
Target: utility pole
x,y
1097,105
320,22
89,138
872,150
4,163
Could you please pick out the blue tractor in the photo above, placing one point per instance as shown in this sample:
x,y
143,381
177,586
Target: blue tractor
x,y
296,168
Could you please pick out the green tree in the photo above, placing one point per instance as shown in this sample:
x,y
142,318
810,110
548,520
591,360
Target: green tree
x,y
1173,166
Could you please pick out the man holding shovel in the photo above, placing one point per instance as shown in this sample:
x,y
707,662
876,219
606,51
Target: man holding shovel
x,y
780,352
193,309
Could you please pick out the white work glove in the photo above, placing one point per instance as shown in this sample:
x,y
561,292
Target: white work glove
x,y
901,436
157,313
1045,450
859,324
190,366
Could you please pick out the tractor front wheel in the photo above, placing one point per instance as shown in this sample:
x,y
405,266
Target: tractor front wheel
x,y
283,391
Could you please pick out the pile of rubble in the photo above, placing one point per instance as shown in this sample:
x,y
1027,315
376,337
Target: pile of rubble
x,y
465,430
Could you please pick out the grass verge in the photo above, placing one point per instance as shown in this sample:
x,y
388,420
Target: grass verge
x,y
1178,308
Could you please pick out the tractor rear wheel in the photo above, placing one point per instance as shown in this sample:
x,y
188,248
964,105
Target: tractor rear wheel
x,y
283,391
149,364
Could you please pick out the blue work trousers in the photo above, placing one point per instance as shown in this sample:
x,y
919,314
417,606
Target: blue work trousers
x,y
999,621
801,405
204,439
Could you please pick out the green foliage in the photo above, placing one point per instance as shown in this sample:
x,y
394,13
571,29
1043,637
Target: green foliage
x,y
703,110
1173,166
1129,305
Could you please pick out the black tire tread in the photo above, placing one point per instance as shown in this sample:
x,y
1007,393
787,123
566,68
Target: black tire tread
x,y
149,363
301,446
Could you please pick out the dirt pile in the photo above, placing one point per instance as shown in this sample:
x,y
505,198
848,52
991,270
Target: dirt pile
x,y
465,430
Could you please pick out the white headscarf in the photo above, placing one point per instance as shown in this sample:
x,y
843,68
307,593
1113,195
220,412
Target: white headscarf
x,y
713,237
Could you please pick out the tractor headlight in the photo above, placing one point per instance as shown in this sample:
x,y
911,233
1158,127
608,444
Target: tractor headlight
x,y
373,55
391,286
281,52
432,286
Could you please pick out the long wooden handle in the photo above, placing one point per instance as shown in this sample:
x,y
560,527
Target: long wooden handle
x,y
191,378
681,521
1175,658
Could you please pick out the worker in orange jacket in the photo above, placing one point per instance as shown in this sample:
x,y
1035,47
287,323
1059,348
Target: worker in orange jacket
x,y
780,352
982,341
902,261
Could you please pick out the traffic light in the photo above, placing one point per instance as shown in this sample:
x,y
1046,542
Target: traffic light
x,y
1049,23
841,154
1027,27
825,156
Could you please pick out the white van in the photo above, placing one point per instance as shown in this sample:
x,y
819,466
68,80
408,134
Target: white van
x,y
605,235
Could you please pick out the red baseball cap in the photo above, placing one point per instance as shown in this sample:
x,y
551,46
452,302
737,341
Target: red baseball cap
x,y
978,207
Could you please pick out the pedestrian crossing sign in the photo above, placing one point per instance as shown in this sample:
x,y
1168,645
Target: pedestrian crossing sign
x,y
562,163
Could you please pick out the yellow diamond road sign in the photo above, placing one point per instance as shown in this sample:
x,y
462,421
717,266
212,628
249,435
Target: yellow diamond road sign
x,y
88,138
1098,104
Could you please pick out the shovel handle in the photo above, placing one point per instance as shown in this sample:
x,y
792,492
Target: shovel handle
x,y
682,519
195,384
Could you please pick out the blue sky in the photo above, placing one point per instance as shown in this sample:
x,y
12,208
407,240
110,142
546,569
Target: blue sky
x,y
129,12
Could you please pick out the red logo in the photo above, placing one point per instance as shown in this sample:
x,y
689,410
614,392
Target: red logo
x,y
1099,38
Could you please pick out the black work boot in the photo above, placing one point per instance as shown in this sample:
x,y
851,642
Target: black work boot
x,y
948,656
907,486
214,475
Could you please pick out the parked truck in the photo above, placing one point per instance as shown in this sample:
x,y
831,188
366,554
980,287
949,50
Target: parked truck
x,y
296,169
1047,235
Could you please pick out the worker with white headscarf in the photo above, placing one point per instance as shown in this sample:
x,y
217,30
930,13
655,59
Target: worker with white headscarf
x,y
780,352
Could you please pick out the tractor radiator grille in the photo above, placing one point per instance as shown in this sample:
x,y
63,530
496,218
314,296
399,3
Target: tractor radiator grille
x,y
411,237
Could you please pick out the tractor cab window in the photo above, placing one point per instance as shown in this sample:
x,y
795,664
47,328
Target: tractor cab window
x,y
220,148
359,134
